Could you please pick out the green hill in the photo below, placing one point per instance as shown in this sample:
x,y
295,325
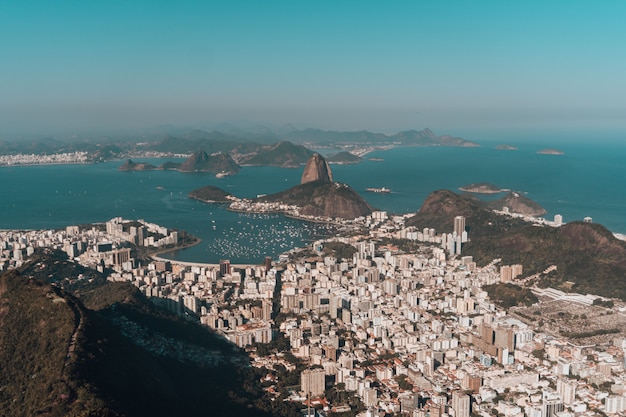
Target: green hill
x,y
214,163
210,194
282,154
111,352
586,254
344,158
327,199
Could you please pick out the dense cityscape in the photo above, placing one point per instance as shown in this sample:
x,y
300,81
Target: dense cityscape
x,y
392,320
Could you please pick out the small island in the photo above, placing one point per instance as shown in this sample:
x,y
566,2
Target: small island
x,y
481,188
130,165
211,194
550,151
506,148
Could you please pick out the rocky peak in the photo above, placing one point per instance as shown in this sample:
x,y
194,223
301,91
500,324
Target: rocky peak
x,y
316,169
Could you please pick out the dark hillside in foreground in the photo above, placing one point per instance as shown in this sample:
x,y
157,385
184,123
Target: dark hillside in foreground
x,y
586,254
113,353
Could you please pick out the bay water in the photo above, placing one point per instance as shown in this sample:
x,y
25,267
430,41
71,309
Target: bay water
x,y
587,180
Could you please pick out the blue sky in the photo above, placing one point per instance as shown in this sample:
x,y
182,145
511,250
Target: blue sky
x,y
386,66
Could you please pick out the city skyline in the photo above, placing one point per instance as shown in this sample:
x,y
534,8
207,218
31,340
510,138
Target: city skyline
x,y
348,66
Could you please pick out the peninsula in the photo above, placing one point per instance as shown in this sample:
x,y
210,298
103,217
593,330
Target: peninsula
x,y
517,203
344,158
211,194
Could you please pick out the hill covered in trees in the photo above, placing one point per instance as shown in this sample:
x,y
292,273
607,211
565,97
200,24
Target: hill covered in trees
x,y
103,349
586,254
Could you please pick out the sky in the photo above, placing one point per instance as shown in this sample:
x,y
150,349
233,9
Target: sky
x,y
348,65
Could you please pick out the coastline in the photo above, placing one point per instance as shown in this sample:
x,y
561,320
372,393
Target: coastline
x,y
478,191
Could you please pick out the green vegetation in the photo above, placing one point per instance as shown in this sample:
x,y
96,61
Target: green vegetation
x,y
318,198
582,335
339,250
603,303
113,353
508,295
344,158
282,153
586,254
210,193
404,382
216,162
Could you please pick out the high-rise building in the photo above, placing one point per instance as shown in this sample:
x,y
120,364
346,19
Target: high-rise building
x,y
551,404
472,383
459,225
516,270
567,390
460,404
224,267
312,382
268,263
506,274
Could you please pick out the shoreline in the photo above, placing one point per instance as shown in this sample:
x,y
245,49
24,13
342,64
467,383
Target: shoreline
x,y
288,215
164,251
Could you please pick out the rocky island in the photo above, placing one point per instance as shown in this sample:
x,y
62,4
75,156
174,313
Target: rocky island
x,y
214,163
550,151
130,165
506,148
319,196
481,188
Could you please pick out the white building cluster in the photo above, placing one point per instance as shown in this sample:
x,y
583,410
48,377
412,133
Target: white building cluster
x,y
408,332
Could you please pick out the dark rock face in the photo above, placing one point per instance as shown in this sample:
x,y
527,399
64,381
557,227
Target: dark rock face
x,y
131,165
316,169
318,195
336,200
203,162
326,199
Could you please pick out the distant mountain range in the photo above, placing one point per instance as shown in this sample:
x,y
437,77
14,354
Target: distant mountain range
x,y
249,144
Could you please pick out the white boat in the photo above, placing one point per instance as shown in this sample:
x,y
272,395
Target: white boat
x,y
378,190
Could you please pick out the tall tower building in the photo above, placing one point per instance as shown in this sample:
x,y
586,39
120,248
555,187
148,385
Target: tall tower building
x,y
312,382
506,273
567,390
224,267
268,263
459,225
460,404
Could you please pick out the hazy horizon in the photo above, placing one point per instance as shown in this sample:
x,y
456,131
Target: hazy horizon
x,y
453,67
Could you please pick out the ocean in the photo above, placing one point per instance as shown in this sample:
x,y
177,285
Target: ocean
x,y
587,180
